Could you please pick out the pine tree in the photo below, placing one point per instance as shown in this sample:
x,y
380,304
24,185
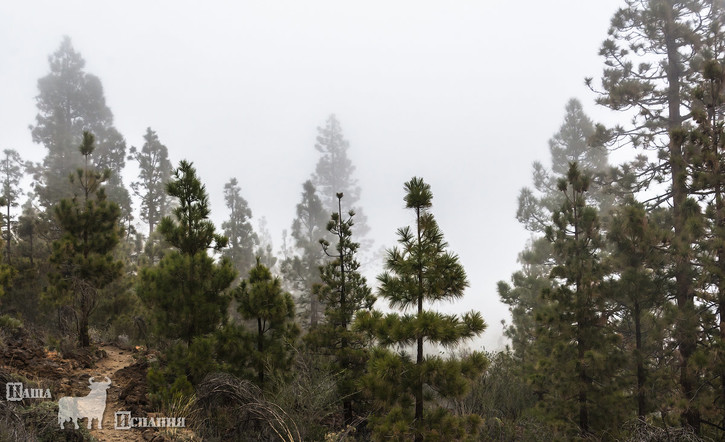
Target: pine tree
x,y
69,102
265,251
186,292
27,232
7,275
155,247
238,228
651,55
523,296
154,172
639,296
31,259
577,313
83,256
302,270
572,143
334,172
343,292
12,171
421,272
262,300
706,147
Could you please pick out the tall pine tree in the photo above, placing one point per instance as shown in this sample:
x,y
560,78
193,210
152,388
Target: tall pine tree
x,y
301,269
706,147
238,228
11,171
69,102
154,172
651,55
334,172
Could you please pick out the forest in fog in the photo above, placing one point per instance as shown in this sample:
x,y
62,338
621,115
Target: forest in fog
x,y
617,309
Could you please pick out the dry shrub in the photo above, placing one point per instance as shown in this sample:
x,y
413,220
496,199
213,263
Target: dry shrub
x,y
229,408
12,427
310,397
640,431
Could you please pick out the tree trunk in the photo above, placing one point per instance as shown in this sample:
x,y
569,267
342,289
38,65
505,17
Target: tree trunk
x,y
419,387
7,220
32,249
347,402
313,310
83,339
720,226
419,358
641,375
260,350
583,379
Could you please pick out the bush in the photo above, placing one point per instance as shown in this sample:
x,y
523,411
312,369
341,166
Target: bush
x,y
501,392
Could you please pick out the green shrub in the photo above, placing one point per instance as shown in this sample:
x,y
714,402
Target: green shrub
x,y
182,367
10,324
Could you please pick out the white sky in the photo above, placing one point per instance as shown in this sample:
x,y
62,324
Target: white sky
x,y
465,94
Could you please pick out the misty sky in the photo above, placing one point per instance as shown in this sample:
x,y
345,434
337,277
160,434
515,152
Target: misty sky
x,y
465,94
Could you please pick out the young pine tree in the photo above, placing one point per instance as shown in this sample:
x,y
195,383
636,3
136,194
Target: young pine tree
x,y
83,256
418,273
186,292
262,300
343,292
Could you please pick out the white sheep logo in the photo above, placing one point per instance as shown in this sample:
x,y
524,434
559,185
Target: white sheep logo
x,y
91,406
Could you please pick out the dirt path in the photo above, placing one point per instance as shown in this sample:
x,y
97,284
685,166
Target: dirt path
x,y
116,360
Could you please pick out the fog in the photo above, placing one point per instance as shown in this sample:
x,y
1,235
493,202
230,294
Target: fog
x,y
463,94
